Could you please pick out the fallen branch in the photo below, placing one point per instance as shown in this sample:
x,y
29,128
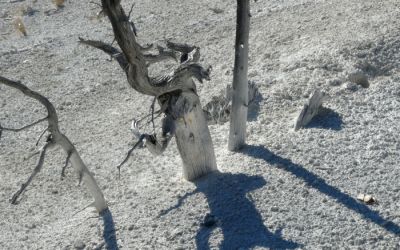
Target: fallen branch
x,y
22,128
58,138
37,169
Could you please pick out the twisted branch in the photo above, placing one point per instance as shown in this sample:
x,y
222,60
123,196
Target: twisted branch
x,y
57,137
137,72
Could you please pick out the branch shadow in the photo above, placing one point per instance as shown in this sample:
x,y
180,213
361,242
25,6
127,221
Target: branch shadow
x,y
234,213
326,119
109,234
318,183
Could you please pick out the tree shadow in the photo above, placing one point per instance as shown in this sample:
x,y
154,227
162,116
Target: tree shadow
x,y
109,234
234,213
254,107
326,119
255,98
318,183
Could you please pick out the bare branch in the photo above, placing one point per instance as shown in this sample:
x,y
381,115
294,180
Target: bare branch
x,y
37,169
130,11
65,165
40,136
181,47
110,50
157,113
52,114
124,35
120,57
58,138
180,78
152,114
189,53
130,21
162,55
31,155
140,141
24,127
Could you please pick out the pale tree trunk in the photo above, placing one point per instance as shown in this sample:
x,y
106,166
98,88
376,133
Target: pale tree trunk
x,y
193,139
176,93
237,131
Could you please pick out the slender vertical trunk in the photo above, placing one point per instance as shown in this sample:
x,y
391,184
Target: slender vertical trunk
x,y
237,132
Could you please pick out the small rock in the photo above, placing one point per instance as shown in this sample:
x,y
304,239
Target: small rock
x,y
359,78
79,244
366,198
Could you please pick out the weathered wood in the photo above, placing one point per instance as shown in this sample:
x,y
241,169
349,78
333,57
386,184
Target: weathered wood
x,y
237,130
310,109
58,138
176,92
193,138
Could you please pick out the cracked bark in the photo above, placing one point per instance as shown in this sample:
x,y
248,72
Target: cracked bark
x,y
176,92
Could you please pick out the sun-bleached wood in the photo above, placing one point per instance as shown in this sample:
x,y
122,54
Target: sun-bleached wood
x,y
238,119
310,109
60,139
176,93
193,139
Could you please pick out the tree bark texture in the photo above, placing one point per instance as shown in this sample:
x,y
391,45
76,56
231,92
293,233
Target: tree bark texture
x,y
238,118
176,93
193,138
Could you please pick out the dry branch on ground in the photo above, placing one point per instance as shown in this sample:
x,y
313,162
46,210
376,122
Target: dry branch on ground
x,y
57,138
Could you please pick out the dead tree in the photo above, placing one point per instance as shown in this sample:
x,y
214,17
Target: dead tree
x,y
175,92
55,137
237,130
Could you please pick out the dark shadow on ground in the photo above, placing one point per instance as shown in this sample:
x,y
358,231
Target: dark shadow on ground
x,y
109,235
241,224
255,99
318,183
326,119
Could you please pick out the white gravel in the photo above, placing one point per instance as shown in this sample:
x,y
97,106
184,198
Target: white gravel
x,y
285,190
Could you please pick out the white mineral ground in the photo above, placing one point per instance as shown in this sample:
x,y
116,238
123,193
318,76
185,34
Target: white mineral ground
x,y
285,189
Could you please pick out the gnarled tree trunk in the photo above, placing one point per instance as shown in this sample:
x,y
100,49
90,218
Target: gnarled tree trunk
x,y
176,93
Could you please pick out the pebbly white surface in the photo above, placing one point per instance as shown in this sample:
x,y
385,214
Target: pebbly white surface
x,y
286,189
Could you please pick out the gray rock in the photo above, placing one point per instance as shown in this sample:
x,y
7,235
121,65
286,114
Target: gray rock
x,y
79,244
359,78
